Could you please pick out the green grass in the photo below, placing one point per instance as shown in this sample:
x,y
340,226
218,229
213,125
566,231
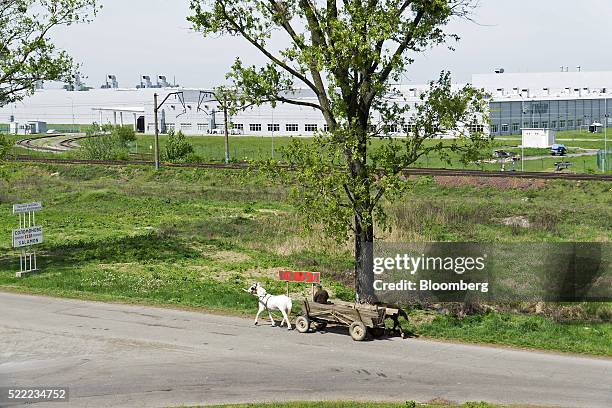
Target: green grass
x,y
196,238
355,404
243,148
529,331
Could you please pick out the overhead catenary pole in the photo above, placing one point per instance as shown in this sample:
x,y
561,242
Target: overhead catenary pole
x,y
605,153
226,129
273,133
155,108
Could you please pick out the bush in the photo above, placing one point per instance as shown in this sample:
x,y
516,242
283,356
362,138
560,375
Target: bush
x,y
106,147
5,147
96,129
126,134
107,142
177,147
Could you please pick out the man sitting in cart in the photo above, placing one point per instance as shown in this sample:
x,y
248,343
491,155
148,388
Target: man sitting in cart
x,y
321,295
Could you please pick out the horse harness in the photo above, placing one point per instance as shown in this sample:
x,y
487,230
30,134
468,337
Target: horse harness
x,y
264,299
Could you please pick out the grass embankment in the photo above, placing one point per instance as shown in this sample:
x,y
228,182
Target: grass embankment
x,y
196,238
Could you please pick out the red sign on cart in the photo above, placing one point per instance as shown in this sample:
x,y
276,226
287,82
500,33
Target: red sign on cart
x,y
304,277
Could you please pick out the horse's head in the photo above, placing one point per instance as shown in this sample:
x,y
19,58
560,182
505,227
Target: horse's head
x,y
257,289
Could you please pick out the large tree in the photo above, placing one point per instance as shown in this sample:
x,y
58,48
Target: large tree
x,y
27,53
349,53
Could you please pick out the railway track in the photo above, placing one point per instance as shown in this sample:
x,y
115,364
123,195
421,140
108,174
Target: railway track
x,y
66,144
408,172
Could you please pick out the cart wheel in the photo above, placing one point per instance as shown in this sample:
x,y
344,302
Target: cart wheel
x,y
358,331
378,332
320,325
302,324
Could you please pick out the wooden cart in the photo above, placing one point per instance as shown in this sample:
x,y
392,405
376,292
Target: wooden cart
x,y
361,319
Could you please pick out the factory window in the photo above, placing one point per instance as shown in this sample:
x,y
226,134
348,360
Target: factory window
x,y
292,127
170,126
238,126
326,127
255,127
310,127
516,126
535,125
473,128
185,126
553,124
391,128
562,124
579,122
202,127
494,128
525,125
570,123
545,124
273,127
504,127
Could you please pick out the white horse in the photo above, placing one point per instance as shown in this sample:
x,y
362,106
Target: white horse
x,y
269,303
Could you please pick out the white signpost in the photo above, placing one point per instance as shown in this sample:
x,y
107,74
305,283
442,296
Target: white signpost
x,y
26,236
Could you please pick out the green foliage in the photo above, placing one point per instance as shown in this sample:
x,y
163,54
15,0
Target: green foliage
x,y
197,237
177,147
27,52
107,142
349,54
95,129
126,134
518,330
5,147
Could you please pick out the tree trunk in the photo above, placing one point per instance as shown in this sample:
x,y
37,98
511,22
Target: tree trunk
x,y
364,272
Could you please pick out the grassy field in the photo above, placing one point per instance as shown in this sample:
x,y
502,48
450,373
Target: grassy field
x,y
196,238
355,404
245,148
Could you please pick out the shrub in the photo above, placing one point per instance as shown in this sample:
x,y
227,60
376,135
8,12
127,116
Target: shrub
x,y
125,133
107,142
105,147
96,129
5,147
177,147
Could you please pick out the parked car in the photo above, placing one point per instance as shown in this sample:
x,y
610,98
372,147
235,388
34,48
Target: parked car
x,y
558,150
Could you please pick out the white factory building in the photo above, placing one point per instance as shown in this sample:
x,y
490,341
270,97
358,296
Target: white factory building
x,y
558,101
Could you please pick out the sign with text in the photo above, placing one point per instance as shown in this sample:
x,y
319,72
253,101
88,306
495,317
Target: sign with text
x,y
300,277
23,237
24,208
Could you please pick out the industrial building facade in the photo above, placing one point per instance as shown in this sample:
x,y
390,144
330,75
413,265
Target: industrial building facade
x,y
559,101
555,100
509,117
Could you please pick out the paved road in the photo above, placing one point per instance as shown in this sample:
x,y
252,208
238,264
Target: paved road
x,y
133,356
586,152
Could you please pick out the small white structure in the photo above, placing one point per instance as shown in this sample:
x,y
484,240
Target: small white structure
x,y
37,127
30,128
539,137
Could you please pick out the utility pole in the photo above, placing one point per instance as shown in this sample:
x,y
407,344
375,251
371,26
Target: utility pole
x,y
156,132
226,129
605,153
273,133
